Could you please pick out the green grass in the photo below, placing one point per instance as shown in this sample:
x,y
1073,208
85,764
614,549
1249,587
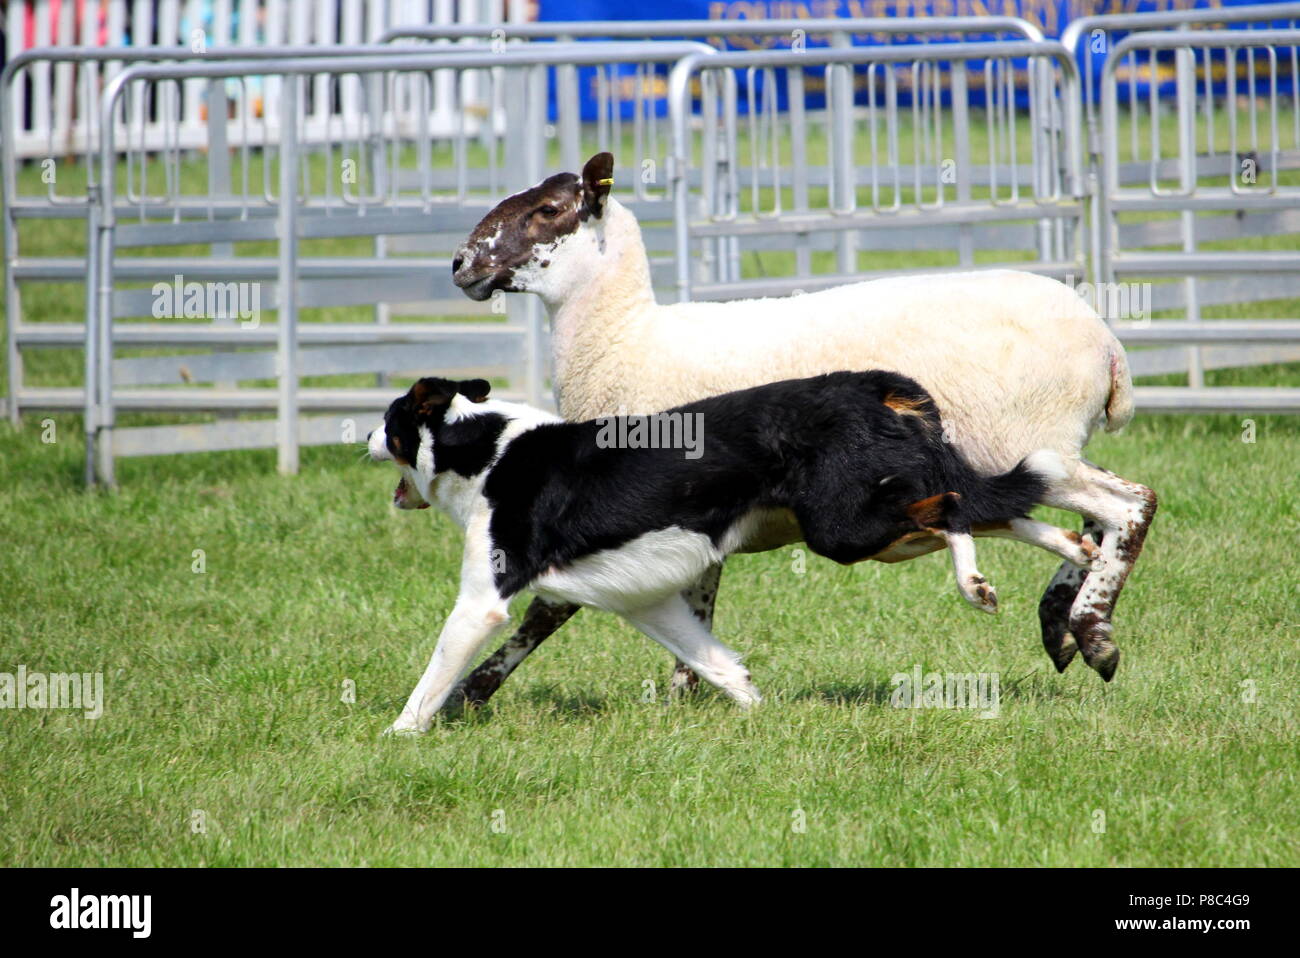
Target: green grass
x,y
224,689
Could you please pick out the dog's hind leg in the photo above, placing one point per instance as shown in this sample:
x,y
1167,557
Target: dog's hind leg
x,y
673,624
974,588
541,620
1070,546
701,597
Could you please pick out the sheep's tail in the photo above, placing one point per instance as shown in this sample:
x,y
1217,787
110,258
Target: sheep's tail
x,y
1119,404
1015,492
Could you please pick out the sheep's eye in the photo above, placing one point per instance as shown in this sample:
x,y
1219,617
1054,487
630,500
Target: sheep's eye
x,y
548,210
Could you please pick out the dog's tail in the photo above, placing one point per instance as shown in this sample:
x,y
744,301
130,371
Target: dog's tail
x,y
1015,492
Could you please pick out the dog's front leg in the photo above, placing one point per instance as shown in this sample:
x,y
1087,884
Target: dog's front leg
x,y
471,624
479,613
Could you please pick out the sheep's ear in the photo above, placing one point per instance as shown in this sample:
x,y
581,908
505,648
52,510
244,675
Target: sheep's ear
x,y
936,512
475,390
428,395
597,179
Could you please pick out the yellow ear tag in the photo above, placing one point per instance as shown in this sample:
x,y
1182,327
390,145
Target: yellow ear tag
x,y
608,181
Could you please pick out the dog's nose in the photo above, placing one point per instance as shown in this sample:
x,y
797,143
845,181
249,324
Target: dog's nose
x,y
369,434
457,263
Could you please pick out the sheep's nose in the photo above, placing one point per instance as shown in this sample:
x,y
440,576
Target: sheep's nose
x,y
457,263
369,434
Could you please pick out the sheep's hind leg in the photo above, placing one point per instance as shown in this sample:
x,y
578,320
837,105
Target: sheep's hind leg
x,y
1124,511
540,622
701,597
1054,607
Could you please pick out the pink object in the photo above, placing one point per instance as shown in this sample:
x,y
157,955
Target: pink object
x,y
29,24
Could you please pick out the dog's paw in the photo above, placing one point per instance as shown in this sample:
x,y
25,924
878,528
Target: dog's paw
x,y
745,694
403,729
978,592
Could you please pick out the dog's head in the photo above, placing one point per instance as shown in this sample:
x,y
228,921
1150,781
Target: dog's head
x,y
437,426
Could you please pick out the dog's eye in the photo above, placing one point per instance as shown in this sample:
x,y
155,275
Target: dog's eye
x,y
548,210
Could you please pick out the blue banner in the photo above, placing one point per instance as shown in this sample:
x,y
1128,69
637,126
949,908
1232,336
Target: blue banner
x,y
1050,16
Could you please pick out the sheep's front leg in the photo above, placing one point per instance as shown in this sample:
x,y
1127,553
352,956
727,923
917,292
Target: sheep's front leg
x,y
470,625
542,620
700,598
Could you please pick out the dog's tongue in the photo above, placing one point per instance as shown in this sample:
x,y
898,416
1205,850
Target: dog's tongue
x,y
399,494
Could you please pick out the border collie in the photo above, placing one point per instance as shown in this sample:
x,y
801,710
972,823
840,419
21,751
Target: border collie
x,y
857,460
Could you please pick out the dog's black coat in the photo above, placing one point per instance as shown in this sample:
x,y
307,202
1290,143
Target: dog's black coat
x,y
848,453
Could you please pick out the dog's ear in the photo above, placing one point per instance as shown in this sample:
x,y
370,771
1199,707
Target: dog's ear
x,y
936,512
597,180
475,390
467,440
431,395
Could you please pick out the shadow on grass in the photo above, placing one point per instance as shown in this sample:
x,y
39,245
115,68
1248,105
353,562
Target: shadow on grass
x,y
565,707
1030,687
847,693
568,706
1041,685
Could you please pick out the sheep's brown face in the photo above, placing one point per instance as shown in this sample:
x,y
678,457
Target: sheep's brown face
x,y
515,239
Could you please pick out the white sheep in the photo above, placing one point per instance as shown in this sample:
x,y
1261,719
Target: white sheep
x,y
1017,362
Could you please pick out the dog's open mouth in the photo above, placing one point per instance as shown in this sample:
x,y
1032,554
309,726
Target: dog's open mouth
x,y
403,498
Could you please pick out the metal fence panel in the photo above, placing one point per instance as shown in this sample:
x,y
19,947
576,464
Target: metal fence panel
x,y
287,193
1213,219
1009,156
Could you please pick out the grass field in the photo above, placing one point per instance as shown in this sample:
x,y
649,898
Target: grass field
x,y
223,689
230,733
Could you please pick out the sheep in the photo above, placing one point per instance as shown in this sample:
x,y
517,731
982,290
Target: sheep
x,y
1017,362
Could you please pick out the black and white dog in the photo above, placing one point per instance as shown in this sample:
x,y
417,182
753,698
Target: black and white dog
x,y
580,513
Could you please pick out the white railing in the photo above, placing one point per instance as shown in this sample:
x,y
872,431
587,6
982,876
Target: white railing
x,y
53,105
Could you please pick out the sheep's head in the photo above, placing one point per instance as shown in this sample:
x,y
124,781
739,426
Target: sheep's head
x,y
512,247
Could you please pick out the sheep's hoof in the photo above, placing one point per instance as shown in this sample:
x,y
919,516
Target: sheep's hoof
x,y
1098,648
1053,617
1105,659
1061,649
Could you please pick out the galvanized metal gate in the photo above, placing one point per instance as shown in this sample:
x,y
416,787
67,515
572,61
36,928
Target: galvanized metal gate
x,y
1195,111
999,175
1215,220
774,171
294,201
